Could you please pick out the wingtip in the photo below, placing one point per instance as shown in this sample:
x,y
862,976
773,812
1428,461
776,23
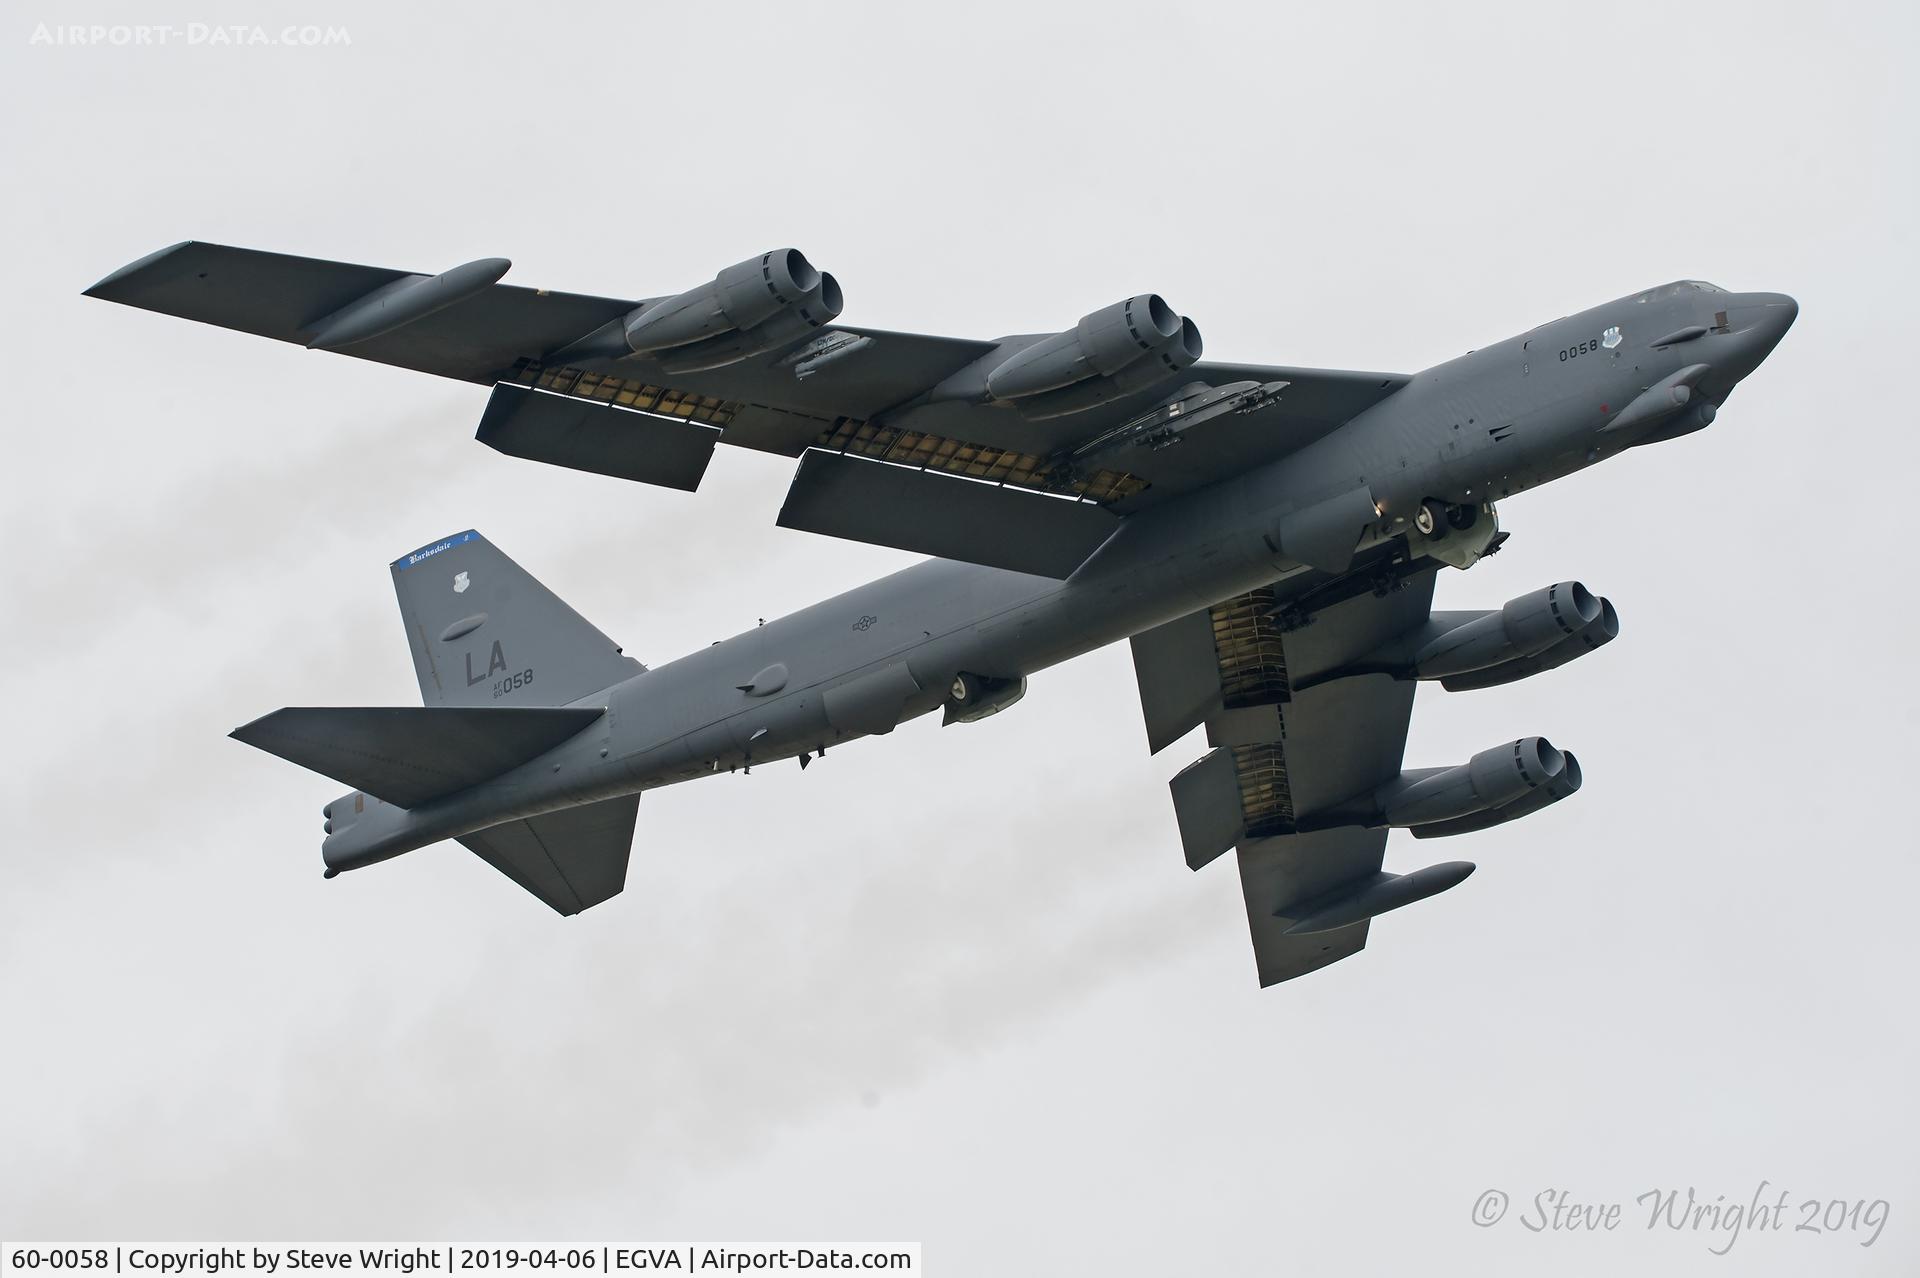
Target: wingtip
x,y
244,734
103,288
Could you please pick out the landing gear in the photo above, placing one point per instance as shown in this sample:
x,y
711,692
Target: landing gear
x,y
1458,535
972,697
1434,517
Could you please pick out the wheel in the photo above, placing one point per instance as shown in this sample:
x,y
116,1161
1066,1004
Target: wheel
x,y
964,690
1462,518
1431,516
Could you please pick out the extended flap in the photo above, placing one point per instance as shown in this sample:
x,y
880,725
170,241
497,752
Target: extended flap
x,y
1206,805
932,513
566,430
1178,671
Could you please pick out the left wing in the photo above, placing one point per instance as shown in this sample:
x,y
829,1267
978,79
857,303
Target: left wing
x,y
1279,754
569,391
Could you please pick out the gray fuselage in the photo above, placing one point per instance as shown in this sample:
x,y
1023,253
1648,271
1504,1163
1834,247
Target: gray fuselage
x,y
1493,422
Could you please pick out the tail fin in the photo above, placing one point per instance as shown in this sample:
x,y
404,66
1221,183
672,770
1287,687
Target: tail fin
x,y
485,633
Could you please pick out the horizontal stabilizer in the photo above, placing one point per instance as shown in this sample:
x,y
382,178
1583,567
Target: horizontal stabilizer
x,y
570,859
564,430
408,756
930,513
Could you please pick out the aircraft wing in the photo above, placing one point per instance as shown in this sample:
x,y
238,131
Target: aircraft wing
x,y
832,393
1283,749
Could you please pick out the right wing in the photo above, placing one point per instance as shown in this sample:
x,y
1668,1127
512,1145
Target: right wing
x,y
838,392
1280,754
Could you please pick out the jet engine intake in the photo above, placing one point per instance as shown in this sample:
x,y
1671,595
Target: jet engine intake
x,y
1524,627
1116,351
761,304
1491,780
1598,632
1559,787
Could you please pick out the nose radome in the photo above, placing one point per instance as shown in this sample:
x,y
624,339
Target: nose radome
x,y
1779,302
1759,321
1772,312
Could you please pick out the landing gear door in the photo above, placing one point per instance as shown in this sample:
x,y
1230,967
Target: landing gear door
x,y
1452,544
871,703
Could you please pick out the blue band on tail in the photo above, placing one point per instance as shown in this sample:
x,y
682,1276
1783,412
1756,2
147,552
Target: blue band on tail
x,y
433,548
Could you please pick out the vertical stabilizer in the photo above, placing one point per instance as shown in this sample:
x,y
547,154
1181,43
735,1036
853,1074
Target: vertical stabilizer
x,y
485,633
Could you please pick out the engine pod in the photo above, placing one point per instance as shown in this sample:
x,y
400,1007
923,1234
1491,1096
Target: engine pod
x,y
1491,779
1523,627
1599,632
1556,789
762,304
1117,350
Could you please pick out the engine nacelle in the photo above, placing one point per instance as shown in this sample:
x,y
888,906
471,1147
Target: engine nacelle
x,y
1600,631
1556,789
759,305
973,697
1116,351
1491,780
1524,627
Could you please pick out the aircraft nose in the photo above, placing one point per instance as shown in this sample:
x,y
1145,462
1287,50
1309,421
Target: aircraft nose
x,y
1755,325
1768,315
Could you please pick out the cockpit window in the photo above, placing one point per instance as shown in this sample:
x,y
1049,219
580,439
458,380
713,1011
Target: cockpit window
x,y
1679,288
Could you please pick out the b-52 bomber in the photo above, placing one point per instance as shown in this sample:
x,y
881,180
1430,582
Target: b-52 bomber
x,y
1267,538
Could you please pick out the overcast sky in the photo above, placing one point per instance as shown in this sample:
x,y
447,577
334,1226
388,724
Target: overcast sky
x,y
956,985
